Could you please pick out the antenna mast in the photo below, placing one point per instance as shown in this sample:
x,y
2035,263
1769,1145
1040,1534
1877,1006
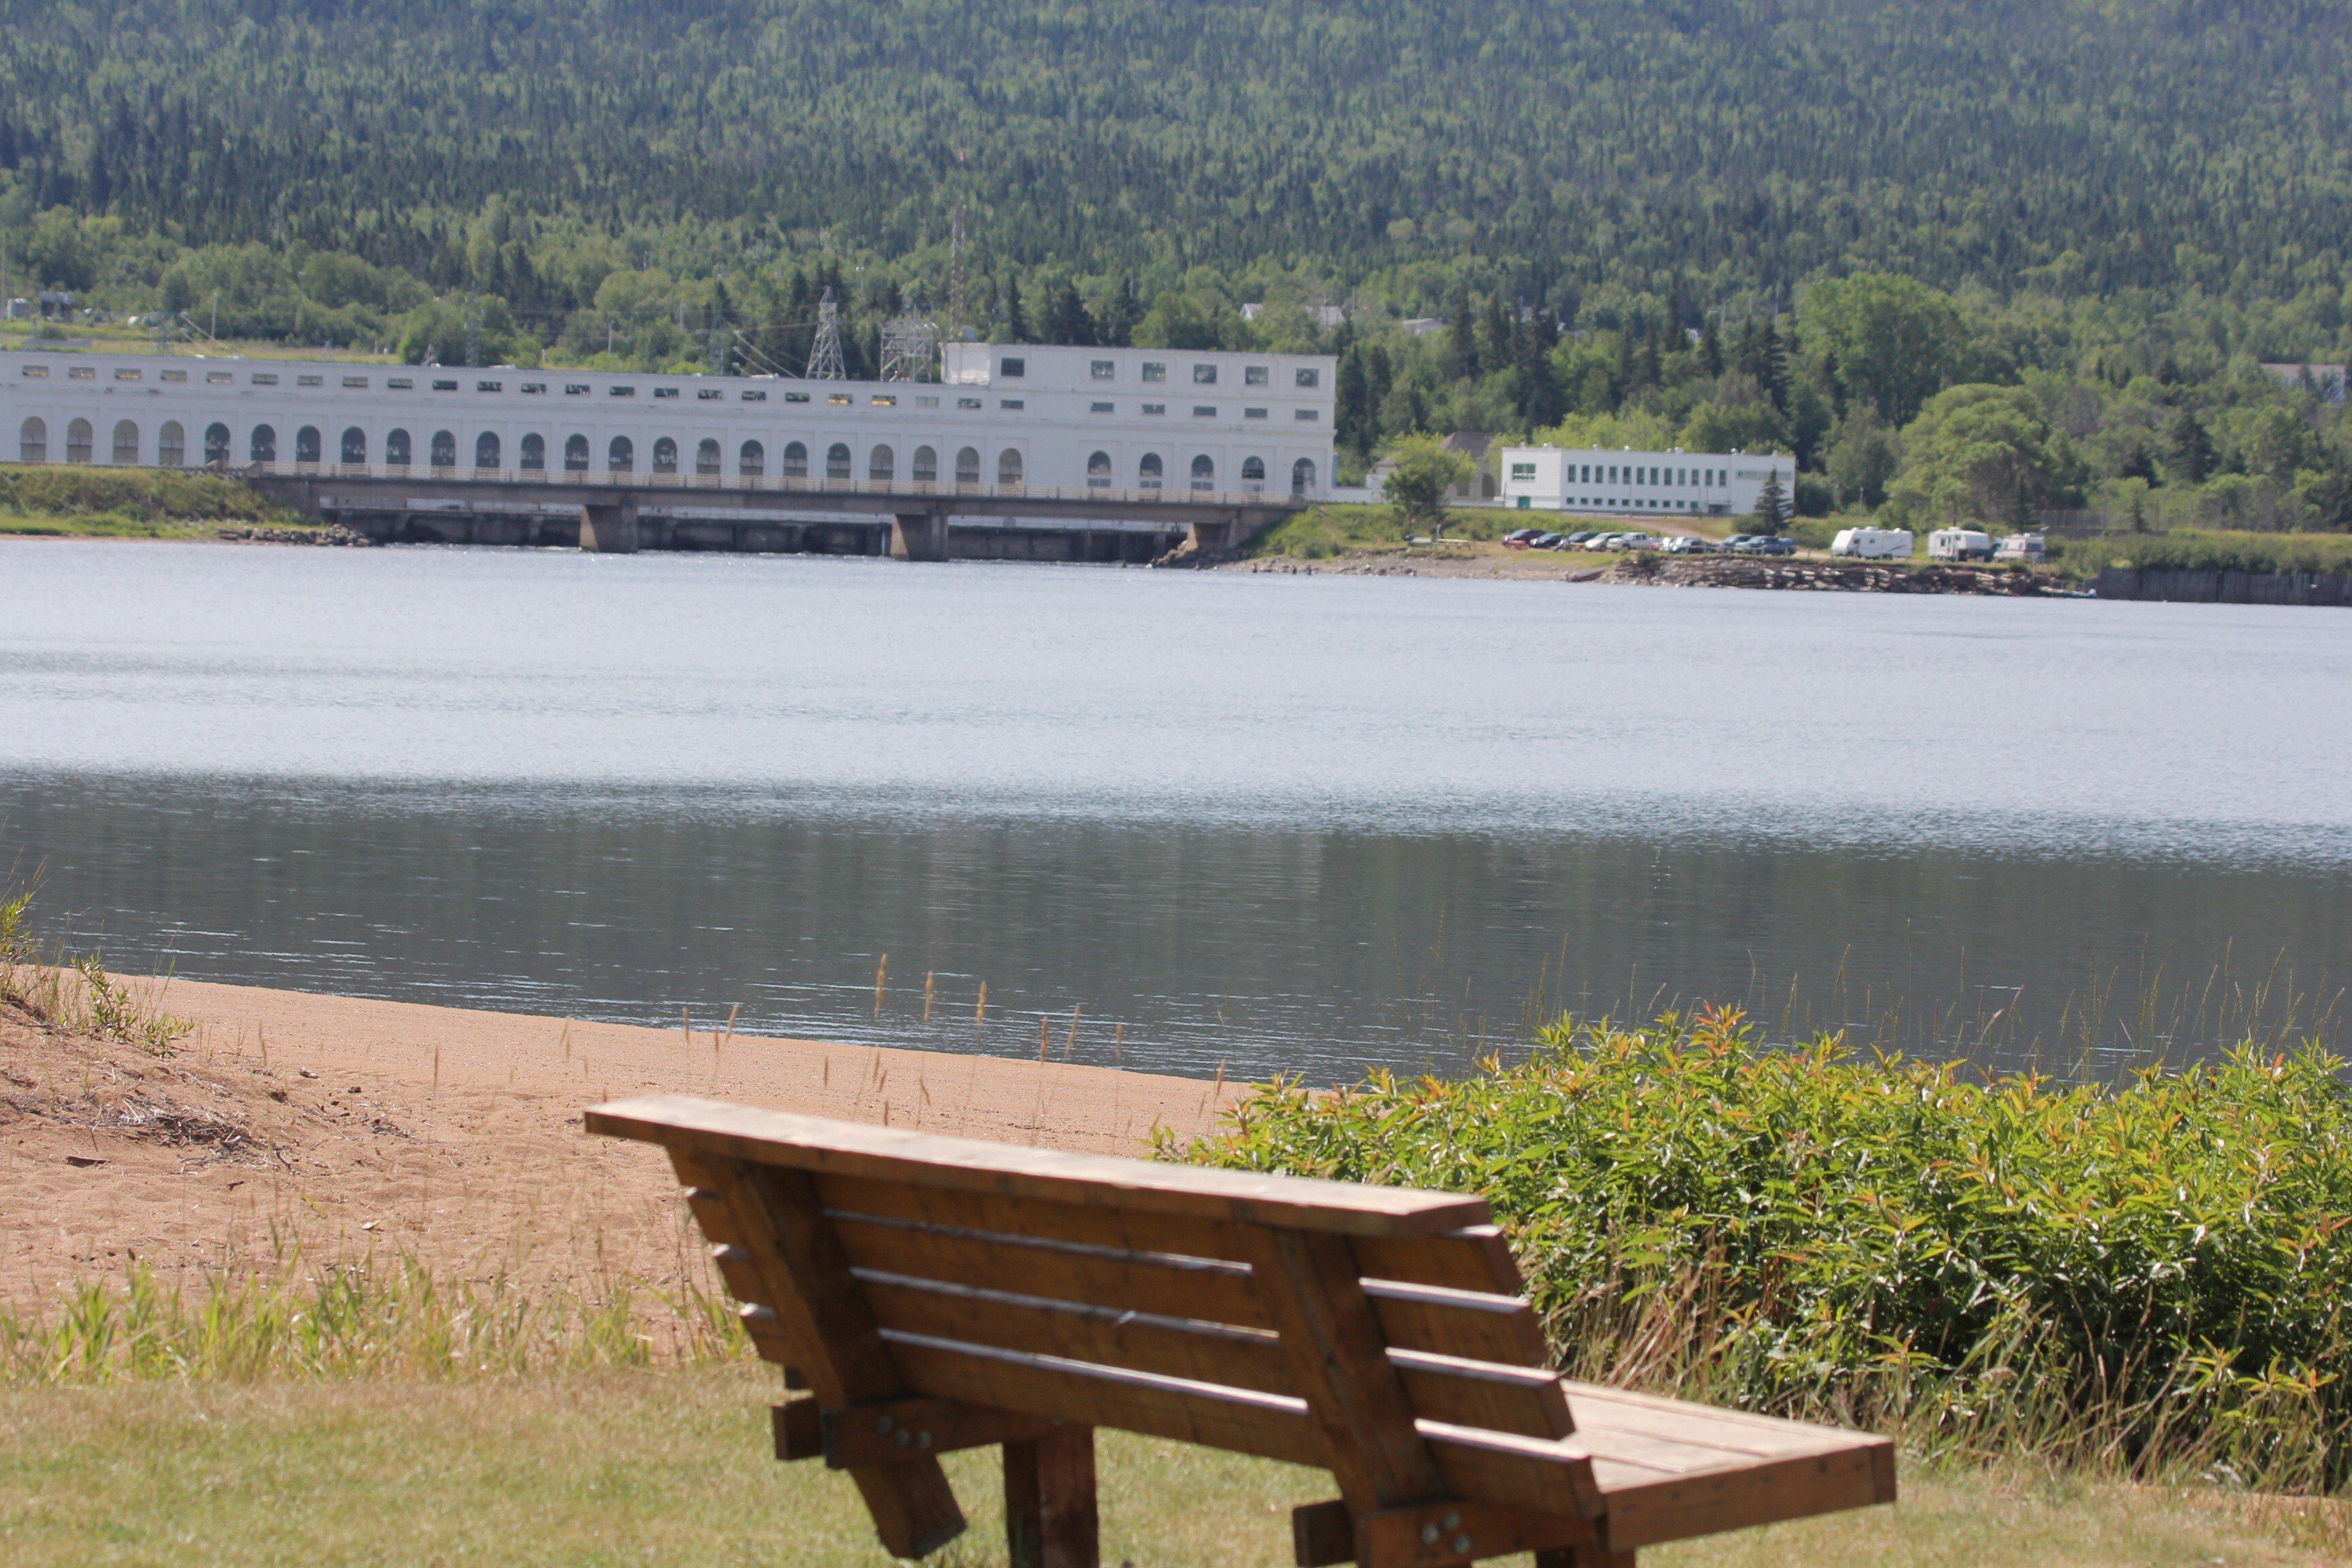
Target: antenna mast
x,y
825,354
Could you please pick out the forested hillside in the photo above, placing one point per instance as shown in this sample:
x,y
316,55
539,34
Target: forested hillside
x,y
2139,197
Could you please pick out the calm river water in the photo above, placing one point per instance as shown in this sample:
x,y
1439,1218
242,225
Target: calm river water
x,y
1281,823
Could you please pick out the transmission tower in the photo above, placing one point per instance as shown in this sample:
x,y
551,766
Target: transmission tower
x,y
825,354
910,343
955,273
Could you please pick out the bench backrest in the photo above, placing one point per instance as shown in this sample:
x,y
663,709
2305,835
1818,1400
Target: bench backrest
x,y
1377,1333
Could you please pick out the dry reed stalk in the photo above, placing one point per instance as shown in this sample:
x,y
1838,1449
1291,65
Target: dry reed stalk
x,y
881,971
1118,1045
980,1014
928,977
1044,1036
1070,1043
566,1040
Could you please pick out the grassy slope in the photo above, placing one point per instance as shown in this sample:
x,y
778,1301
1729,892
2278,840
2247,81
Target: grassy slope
x,y
676,1467
143,503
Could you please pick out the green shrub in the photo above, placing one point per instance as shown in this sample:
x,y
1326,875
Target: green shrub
x,y
2156,1274
2199,550
128,499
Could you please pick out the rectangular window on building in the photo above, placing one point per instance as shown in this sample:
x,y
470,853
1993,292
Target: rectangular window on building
x,y
534,389
576,389
1204,375
1013,403
1103,407
490,386
445,386
124,373
397,383
920,402
1520,471
1202,410
1155,409
175,375
755,394
1012,367
1154,371
839,399
357,382
310,381
1310,379
882,402
665,392
83,373
1253,413
967,403
1307,415
1253,375
796,397
1105,370
41,372
258,381
620,392
1612,473
705,394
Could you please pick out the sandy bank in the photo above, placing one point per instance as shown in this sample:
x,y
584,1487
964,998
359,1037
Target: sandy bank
x,y
450,1133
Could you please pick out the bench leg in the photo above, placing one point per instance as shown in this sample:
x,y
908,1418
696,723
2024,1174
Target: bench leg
x,y
1583,1557
1049,1500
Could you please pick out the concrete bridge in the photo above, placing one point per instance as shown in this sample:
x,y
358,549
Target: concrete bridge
x,y
625,512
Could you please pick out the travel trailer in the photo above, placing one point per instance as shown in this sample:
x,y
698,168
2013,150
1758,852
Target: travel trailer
x,y
1872,544
1960,544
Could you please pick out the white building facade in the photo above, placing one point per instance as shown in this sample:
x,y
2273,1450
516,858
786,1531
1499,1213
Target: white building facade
x,y
1613,483
1185,425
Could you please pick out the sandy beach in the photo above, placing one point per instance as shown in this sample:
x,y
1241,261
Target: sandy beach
x,y
351,1126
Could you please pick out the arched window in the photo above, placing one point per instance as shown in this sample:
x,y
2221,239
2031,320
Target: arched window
x,y
485,450
1099,471
263,448
126,442
968,466
32,442
1149,471
706,457
927,465
575,455
836,461
1253,470
665,456
881,464
171,445
1008,467
621,456
534,452
216,443
355,445
77,441
795,461
445,449
752,462
1302,476
307,443
1204,473
396,451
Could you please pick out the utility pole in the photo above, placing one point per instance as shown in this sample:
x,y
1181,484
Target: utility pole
x,y
824,355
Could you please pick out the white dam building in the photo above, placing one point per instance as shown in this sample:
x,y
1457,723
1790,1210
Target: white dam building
x,y
1003,420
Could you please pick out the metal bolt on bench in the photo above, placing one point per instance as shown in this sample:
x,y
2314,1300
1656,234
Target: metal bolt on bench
x,y
932,1294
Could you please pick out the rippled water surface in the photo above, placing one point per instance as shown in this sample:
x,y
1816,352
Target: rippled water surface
x,y
1283,823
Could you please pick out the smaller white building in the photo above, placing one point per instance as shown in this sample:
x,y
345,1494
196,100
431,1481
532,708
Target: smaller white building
x,y
1613,483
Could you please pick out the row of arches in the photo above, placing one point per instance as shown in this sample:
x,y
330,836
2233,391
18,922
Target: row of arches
x,y
620,455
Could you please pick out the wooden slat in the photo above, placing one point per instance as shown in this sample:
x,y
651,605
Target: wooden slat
x,y
1099,1276
1472,1324
892,1431
1091,1224
1645,1509
1338,1361
822,1315
1172,1347
1267,1425
1541,1475
1525,1401
1474,1257
714,1129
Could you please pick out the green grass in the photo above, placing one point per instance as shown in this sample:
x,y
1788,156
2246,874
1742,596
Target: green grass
x,y
2205,550
676,1467
2151,1280
57,501
1321,532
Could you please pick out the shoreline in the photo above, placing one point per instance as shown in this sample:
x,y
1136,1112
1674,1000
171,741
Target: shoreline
x,y
450,1135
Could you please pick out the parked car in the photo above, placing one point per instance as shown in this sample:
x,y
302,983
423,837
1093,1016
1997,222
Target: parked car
x,y
1520,538
1960,544
1570,541
1544,542
1738,544
1637,541
1775,545
1872,544
1688,544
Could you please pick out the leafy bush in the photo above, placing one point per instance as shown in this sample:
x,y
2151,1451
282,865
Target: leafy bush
x,y
150,496
2155,1274
2196,550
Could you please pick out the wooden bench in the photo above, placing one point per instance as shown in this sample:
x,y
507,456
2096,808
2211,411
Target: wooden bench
x,y
942,1293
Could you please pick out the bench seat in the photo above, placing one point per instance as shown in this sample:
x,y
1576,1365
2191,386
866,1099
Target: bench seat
x,y
938,1293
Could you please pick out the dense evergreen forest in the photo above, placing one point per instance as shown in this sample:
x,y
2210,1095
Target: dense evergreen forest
x,y
1624,210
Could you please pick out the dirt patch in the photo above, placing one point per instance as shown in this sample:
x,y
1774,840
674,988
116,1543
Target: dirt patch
x,y
347,1126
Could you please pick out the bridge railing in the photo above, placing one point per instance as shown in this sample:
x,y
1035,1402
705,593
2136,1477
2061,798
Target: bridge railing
x,y
790,484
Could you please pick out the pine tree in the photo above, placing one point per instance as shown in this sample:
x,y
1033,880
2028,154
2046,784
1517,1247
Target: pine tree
x,y
1771,503
1710,350
1016,319
2192,447
1067,321
1461,341
1351,404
